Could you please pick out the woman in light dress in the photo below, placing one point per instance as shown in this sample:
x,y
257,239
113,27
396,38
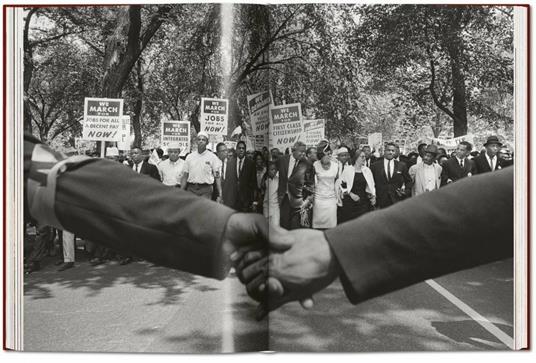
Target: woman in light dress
x,y
326,171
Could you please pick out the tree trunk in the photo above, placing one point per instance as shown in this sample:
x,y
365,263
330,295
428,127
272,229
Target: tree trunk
x,y
121,47
138,104
455,50
28,71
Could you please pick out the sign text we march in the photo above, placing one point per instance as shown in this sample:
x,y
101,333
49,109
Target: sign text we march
x,y
102,119
285,125
176,132
258,112
314,131
214,117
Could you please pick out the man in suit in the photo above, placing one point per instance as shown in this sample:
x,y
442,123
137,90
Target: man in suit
x,y
489,161
295,184
103,201
140,166
391,178
222,153
426,176
458,166
380,252
240,180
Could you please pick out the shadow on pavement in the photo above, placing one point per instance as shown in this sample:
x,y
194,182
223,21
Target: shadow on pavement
x,y
40,284
470,332
412,319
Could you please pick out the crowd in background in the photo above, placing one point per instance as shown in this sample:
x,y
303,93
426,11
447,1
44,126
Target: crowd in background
x,y
303,187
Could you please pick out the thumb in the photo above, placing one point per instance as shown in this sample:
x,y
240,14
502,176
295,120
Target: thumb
x,y
280,239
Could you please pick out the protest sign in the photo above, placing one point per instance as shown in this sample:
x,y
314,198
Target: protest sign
x,y
375,141
451,144
258,104
401,145
176,132
102,119
124,141
230,144
84,145
313,132
214,118
154,158
285,125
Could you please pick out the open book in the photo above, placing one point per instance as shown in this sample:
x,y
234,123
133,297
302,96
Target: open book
x,y
384,145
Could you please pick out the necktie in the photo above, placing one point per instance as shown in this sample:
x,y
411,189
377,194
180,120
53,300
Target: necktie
x,y
137,166
461,163
294,166
389,176
240,167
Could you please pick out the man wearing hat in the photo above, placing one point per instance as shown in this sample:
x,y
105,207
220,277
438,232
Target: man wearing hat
x,y
201,170
489,161
426,175
171,169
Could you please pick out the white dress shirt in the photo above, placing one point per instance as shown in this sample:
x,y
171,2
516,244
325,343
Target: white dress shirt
x,y
138,168
291,165
389,171
239,165
491,161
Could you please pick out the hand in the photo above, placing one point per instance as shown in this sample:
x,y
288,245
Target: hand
x,y
219,200
354,197
300,263
373,200
244,232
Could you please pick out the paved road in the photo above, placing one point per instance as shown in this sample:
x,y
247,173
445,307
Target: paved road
x,y
143,308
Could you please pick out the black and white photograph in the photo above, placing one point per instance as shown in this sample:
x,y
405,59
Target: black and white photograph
x,y
288,177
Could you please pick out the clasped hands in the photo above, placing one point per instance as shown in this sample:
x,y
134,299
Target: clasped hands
x,y
289,266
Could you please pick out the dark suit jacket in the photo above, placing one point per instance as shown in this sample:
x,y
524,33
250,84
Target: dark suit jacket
x,y
453,171
386,189
462,225
238,191
482,165
148,169
373,159
300,184
106,202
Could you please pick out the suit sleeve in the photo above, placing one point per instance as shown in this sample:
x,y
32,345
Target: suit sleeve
x,y
444,175
408,180
103,201
462,225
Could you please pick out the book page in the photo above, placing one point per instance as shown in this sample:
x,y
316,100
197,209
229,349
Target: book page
x,y
133,218
396,132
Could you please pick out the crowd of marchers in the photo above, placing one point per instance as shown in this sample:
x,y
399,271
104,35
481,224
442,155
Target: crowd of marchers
x,y
305,186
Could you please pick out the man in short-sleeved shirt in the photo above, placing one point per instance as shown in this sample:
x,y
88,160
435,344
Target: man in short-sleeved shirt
x,y
201,169
171,169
